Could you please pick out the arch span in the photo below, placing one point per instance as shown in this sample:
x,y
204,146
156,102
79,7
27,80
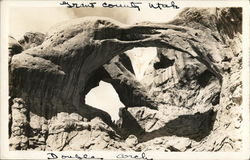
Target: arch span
x,y
72,52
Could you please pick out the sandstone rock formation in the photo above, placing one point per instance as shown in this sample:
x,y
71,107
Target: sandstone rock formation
x,y
189,99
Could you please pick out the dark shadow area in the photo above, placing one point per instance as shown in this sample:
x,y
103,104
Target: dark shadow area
x,y
204,78
125,60
128,124
230,23
94,80
164,62
195,127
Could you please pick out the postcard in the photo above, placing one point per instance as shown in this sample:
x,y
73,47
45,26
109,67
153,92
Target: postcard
x,y
141,80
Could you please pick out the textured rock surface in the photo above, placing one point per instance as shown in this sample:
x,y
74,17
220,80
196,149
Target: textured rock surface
x,y
14,47
31,39
189,99
19,125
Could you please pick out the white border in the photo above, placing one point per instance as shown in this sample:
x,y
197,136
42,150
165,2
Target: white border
x,y
6,154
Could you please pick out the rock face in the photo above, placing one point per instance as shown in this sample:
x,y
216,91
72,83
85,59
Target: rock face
x,y
31,39
189,99
19,127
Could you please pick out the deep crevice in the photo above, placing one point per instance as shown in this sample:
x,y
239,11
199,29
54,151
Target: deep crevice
x,y
204,78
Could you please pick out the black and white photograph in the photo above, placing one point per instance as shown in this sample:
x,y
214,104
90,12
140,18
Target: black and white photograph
x,y
132,79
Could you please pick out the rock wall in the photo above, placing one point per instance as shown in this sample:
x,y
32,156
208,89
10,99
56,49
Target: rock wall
x,y
189,99
205,109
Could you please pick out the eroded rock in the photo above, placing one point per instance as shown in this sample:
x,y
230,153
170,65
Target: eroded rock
x,y
19,126
189,99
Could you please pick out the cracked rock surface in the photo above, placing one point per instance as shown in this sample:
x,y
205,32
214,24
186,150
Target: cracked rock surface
x,y
188,100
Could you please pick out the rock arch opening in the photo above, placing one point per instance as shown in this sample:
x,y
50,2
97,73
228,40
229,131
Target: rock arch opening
x,y
140,58
104,97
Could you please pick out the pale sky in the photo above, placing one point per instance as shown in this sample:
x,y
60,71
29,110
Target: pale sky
x,y
40,19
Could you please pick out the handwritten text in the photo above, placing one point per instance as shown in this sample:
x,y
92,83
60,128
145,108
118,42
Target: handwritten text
x,y
132,5
76,156
129,156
